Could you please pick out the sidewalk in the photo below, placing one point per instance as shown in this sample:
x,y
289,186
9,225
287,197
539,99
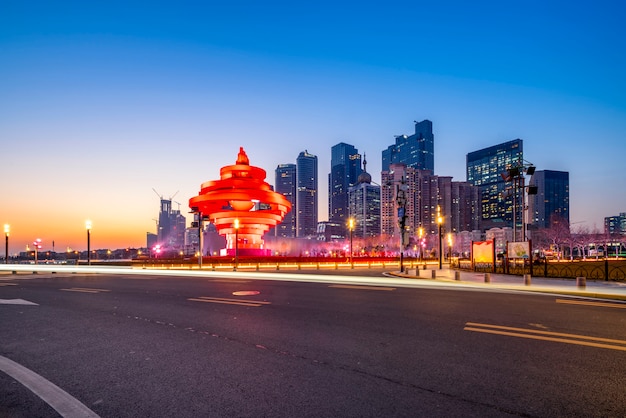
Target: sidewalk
x,y
591,288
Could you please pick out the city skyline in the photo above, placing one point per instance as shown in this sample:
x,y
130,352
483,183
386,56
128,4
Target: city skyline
x,y
100,104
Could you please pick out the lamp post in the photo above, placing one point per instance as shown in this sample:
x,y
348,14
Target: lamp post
x,y
236,243
440,222
7,228
88,227
351,228
420,233
37,245
449,247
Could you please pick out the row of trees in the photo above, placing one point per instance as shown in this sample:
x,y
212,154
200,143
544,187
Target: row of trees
x,y
569,241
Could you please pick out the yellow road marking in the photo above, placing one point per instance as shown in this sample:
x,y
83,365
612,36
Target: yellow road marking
x,y
227,301
347,286
590,303
546,336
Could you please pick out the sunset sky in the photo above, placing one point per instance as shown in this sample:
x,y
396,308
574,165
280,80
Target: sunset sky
x,y
100,102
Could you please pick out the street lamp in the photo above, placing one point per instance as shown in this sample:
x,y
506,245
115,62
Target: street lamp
x,y
420,233
37,245
236,243
88,227
449,247
351,228
7,228
440,222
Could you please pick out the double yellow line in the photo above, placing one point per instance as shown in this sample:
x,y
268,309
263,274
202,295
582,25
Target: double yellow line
x,y
559,337
227,301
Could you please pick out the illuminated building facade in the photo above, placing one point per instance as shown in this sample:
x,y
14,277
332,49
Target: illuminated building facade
x,y
306,195
484,168
285,184
345,163
415,151
364,203
242,206
551,203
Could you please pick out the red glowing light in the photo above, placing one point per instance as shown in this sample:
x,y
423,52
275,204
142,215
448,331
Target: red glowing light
x,y
241,205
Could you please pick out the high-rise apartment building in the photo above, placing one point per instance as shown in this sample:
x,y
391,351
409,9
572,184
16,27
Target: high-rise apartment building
x,y
306,195
285,184
615,225
415,151
465,207
551,203
484,169
425,197
345,168
364,205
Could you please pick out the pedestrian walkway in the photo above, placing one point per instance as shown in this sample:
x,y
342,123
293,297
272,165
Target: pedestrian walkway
x,y
574,287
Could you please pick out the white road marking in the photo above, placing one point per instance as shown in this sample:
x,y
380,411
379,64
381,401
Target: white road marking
x,y
16,302
62,402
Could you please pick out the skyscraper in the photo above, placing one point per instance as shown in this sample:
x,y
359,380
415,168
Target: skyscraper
x,y
306,195
551,203
345,163
415,151
484,169
364,204
427,196
615,225
286,185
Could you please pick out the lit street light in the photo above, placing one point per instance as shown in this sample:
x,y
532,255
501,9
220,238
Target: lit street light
x,y
37,244
449,247
351,228
440,222
236,243
88,227
7,228
420,233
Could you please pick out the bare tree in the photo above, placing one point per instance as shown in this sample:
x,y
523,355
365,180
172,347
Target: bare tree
x,y
558,234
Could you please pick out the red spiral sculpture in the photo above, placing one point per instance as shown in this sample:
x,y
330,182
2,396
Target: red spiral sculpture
x,y
241,205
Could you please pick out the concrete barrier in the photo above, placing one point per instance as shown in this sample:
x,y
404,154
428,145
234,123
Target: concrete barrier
x,y
581,282
527,279
487,277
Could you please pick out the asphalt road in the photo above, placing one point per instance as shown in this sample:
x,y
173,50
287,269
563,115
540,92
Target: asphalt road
x,y
148,346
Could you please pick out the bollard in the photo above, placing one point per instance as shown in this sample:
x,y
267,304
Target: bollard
x,y
424,268
14,272
257,266
434,274
487,277
581,282
457,275
527,279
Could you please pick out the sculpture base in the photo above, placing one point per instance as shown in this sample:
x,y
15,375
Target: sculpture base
x,y
255,252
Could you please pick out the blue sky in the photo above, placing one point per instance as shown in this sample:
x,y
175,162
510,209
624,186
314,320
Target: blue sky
x,y
102,101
